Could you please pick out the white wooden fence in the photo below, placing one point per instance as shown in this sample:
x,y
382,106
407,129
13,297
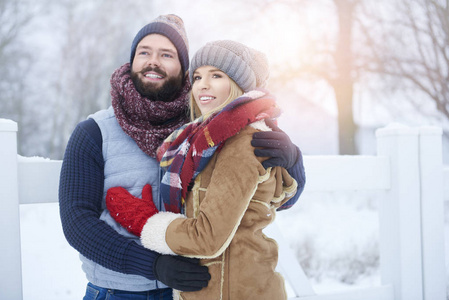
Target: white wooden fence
x,y
408,168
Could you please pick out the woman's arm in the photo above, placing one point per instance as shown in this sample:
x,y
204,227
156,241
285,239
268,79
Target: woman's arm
x,y
234,181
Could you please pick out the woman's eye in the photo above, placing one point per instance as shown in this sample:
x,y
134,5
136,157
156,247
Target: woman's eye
x,y
195,78
217,76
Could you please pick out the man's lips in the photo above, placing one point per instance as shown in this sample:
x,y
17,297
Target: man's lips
x,y
153,76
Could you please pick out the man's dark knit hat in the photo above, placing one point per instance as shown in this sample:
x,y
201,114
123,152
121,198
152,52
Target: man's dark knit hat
x,y
172,27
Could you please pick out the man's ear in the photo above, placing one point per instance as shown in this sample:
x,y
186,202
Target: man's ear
x,y
186,75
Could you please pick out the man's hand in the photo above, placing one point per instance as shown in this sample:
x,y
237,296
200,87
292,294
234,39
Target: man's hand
x,y
277,145
181,273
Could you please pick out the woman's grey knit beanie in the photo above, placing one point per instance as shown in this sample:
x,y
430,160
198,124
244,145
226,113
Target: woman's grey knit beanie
x,y
246,66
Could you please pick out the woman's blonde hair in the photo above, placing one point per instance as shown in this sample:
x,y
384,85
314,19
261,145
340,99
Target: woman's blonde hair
x,y
234,93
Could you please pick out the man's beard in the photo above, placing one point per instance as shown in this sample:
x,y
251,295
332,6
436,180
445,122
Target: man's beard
x,y
166,93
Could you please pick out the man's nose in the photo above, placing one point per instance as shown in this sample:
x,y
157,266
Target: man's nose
x,y
153,60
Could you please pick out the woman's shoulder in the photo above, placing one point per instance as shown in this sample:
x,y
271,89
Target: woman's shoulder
x,y
260,126
241,142
247,132
238,152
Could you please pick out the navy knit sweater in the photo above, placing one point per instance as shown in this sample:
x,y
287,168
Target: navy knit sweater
x,y
80,199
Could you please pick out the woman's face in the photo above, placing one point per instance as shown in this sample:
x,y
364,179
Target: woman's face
x,y
210,89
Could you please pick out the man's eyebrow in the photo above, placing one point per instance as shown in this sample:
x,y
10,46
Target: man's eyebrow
x,y
168,50
161,49
143,46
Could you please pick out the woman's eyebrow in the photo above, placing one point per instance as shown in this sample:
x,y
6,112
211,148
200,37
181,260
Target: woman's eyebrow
x,y
215,70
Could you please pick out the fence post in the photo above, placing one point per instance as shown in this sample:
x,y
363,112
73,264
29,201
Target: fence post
x,y
432,215
10,258
400,213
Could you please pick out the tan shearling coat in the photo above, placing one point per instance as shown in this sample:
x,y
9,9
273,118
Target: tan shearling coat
x,y
232,200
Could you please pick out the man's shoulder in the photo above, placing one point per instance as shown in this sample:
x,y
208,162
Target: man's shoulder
x,y
102,114
90,127
87,125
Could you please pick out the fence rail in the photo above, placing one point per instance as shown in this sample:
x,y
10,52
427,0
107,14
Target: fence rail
x,y
408,168
446,183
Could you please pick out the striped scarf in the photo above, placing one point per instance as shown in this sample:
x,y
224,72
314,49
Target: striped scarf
x,y
186,152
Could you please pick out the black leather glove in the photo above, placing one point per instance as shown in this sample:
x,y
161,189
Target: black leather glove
x,y
277,145
181,273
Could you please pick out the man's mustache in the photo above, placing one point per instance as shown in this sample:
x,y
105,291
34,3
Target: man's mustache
x,y
154,69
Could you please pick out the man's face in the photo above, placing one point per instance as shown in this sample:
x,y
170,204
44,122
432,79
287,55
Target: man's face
x,y
156,69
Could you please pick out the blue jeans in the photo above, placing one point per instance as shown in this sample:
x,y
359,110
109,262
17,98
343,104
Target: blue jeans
x,y
94,292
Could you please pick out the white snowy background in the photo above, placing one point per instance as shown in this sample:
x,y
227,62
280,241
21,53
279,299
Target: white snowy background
x,y
333,235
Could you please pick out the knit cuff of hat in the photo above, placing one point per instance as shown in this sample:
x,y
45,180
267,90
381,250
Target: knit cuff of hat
x,y
139,261
246,66
153,232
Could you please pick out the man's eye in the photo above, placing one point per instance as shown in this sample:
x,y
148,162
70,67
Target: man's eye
x,y
167,55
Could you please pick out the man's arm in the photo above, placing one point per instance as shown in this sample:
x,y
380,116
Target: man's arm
x,y
282,152
297,172
80,199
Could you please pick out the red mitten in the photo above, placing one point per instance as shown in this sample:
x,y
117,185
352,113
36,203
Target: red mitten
x,y
131,212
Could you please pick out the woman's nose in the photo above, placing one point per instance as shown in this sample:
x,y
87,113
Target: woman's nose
x,y
203,84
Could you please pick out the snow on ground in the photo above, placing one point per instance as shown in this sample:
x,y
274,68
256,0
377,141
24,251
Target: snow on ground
x,y
51,268
335,238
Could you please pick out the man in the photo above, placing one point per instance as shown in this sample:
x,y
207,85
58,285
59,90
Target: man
x,y
117,146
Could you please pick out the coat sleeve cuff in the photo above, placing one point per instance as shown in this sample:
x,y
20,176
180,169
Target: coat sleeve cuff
x,y
153,232
291,190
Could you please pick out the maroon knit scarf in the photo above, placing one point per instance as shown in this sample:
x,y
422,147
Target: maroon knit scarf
x,y
146,121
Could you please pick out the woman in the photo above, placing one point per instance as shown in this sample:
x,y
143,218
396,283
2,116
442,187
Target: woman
x,y
221,194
